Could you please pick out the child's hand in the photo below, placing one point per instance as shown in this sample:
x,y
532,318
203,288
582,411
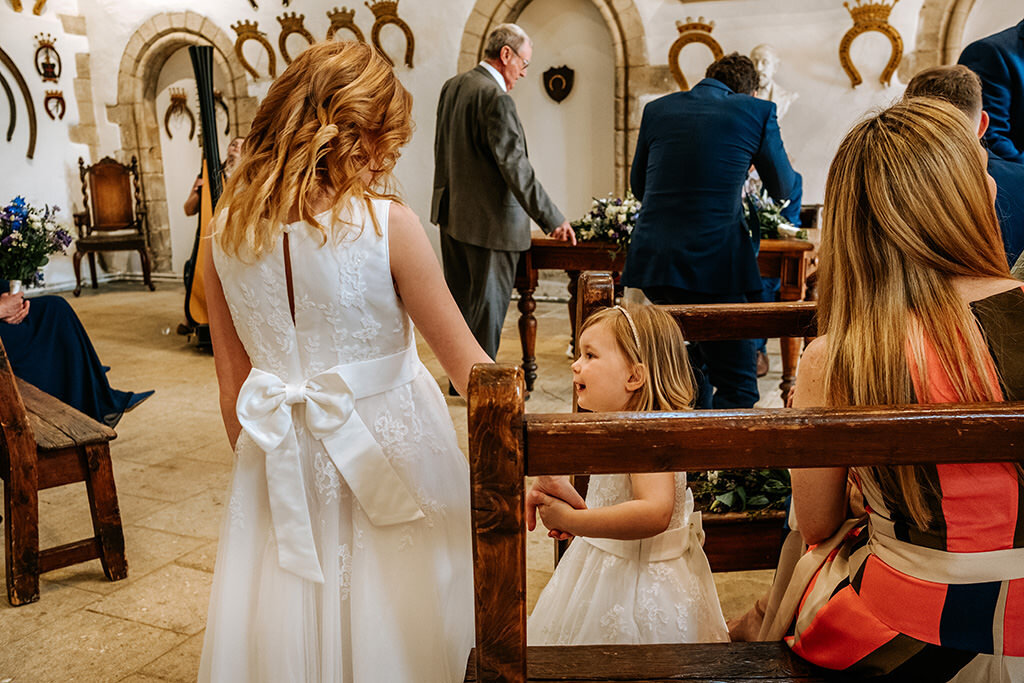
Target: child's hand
x,y
560,535
559,487
555,513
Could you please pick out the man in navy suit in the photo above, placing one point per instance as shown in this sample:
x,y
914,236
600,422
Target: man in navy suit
x,y
691,244
999,62
962,88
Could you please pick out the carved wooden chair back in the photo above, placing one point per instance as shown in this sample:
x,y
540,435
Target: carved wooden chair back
x,y
114,190
506,445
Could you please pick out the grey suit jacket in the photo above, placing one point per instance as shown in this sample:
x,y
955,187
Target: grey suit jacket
x,y
485,190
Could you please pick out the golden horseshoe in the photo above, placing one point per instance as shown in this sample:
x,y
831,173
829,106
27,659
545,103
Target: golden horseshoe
x,y
691,32
894,58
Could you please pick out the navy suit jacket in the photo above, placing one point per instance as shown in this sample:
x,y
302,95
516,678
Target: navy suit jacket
x,y
1009,177
999,62
692,156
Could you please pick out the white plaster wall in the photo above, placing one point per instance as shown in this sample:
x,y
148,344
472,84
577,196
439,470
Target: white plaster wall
x,y
572,143
991,16
51,176
805,32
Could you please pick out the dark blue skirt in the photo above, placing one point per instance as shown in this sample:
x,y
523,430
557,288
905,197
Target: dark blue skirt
x,y
51,350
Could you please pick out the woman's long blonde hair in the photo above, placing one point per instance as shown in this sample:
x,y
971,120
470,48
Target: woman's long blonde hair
x,y
330,126
907,209
668,379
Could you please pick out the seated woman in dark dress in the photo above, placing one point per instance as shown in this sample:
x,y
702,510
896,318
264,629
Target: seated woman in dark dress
x,y
48,348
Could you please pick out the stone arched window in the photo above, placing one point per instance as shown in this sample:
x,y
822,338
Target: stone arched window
x,y
144,56
633,74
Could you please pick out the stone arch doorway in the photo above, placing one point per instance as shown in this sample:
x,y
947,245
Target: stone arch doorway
x,y
939,36
633,74
135,113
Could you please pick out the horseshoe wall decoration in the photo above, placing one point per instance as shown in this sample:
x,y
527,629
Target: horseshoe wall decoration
x,y
6,60
386,12
178,108
291,23
218,100
10,104
47,59
249,30
698,31
54,105
343,18
873,16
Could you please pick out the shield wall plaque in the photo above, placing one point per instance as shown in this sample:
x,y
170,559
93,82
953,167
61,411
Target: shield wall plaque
x,y
558,82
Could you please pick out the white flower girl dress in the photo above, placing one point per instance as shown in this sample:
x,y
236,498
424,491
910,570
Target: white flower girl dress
x,y
345,551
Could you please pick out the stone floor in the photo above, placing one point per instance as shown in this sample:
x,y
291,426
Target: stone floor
x,y
172,465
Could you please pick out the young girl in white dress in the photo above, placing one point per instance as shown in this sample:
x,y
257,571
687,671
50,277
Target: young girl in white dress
x,y
636,572
345,551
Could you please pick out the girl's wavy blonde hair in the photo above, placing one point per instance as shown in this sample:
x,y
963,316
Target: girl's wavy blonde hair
x,y
330,126
668,379
907,209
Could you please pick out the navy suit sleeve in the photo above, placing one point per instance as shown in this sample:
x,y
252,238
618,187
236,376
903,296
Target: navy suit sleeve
x,y
777,174
989,63
638,172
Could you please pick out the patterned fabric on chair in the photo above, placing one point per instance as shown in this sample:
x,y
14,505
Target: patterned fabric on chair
x,y
115,221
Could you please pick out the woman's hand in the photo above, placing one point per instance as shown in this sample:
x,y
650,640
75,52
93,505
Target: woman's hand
x,y
557,487
13,308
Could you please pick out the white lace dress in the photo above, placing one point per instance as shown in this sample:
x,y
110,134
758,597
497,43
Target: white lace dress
x,y
361,577
656,590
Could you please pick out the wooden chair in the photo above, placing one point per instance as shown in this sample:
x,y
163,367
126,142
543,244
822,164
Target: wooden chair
x,y
116,221
46,443
506,445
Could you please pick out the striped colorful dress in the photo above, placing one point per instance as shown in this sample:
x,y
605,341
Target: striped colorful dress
x,y
945,604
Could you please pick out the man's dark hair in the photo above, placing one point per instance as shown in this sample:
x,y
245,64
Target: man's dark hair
x,y
956,84
736,71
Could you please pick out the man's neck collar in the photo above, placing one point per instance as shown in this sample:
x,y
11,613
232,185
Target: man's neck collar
x,y
495,73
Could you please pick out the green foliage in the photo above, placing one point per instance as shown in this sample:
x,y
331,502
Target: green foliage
x,y
752,491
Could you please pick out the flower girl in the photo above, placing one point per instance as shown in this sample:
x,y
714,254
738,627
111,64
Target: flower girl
x,y
636,572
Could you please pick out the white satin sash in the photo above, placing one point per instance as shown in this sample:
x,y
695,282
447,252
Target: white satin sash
x,y
668,545
264,409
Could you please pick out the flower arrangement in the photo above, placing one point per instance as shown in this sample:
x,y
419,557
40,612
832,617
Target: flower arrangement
x,y
610,219
769,216
752,491
28,235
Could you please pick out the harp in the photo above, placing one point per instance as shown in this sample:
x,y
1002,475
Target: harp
x,y
195,294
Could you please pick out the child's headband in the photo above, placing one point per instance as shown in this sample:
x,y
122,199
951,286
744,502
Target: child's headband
x,y
632,326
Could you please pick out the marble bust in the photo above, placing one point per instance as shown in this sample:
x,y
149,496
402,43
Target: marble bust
x,y
766,61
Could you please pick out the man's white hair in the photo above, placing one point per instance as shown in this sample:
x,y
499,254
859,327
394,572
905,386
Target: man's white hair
x,y
502,35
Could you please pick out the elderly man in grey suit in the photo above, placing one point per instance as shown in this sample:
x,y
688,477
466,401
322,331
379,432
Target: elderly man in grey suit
x,y
485,190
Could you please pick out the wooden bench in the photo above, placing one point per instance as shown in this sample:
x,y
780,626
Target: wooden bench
x,y
506,445
46,443
735,541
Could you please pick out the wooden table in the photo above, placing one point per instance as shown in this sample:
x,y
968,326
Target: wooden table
x,y
784,259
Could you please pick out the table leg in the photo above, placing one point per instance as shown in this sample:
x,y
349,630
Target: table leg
x,y
790,358
574,279
528,335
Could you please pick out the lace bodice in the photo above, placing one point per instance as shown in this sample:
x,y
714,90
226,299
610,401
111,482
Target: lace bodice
x,y
346,308
612,489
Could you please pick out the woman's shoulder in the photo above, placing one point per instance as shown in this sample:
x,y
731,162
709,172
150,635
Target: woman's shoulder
x,y
973,290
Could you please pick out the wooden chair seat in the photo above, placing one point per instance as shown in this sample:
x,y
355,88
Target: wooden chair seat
x,y
115,242
47,443
728,662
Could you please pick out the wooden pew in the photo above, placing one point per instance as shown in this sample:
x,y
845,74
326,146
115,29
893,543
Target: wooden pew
x,y
735,541
506,445
46,443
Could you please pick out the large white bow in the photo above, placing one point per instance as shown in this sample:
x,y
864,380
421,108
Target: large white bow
x,y
264,409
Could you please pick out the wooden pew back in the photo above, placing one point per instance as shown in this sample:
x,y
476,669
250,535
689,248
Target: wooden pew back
x,y
506,445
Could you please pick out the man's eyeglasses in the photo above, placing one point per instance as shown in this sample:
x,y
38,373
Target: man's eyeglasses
x,y
526,62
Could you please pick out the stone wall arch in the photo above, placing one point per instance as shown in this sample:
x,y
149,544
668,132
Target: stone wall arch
x,y
135,113
940,35
634,75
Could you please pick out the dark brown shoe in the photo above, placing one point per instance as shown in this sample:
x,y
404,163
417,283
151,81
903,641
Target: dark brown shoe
x,y
762,363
